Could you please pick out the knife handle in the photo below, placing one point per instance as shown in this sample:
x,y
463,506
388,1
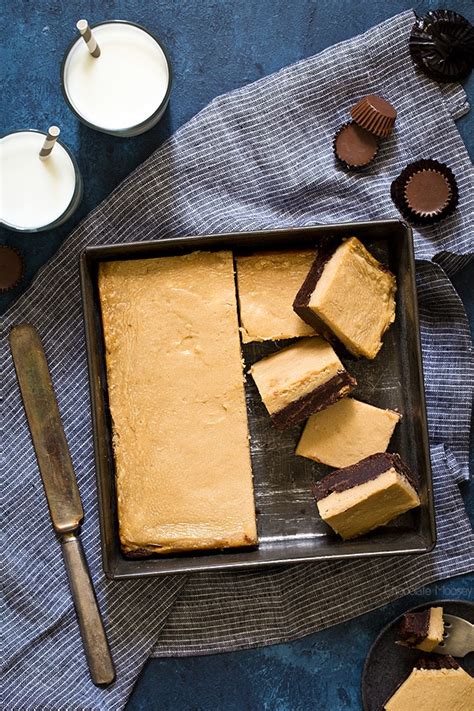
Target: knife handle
x,y
93,635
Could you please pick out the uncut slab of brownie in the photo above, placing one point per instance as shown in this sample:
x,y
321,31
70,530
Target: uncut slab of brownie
x,y
176,395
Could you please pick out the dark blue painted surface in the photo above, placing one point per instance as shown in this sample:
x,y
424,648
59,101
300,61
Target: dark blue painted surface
x,y
215,46
320,672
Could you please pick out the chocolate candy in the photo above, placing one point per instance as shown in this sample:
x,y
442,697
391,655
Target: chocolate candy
x,y
442,45
425,192
354,147
11,268
375,114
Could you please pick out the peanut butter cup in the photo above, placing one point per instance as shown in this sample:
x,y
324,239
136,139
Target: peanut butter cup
x,y
375,114
354,147
11,268
442,45
425,192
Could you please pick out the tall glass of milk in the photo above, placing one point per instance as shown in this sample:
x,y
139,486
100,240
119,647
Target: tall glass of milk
x,y
125,90
35,194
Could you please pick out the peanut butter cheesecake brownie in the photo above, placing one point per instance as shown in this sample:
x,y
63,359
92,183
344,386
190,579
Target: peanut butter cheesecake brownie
x,y
348,295
437,683
301,379
176,394
366,495
267,284
423,630
347,432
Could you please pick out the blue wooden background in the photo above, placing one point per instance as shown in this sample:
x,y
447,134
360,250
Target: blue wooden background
x,y
215,46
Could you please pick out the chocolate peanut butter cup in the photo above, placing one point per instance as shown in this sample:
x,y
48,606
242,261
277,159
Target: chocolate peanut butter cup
x,y
354,147
442,45
425,192
11,268
375,114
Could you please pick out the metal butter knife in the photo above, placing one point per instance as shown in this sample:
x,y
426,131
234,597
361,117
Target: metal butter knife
x,y
62,493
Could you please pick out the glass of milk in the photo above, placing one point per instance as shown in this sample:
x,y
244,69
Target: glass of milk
x,y
125,90
35,194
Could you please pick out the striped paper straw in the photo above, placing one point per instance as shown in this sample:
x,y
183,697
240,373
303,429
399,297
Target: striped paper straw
x,y
49,141
88,37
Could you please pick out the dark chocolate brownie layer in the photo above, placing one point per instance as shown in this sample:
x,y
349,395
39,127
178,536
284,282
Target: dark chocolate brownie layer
x,y
300,305
320,398
414,626
365,470
437,661
324,253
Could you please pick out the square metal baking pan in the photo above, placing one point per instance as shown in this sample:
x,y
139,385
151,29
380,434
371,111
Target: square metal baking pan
x,y
290,530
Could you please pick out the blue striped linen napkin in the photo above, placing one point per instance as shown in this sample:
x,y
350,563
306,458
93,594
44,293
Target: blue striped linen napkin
x,y
256,158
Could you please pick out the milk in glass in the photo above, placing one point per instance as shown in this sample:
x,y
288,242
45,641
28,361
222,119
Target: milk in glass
x,y
122,88
35,193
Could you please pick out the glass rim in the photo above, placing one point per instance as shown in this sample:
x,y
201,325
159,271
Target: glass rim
x,y
119,131
76,196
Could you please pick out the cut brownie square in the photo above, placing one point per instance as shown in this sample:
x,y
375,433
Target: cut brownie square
x,y
267,284
423,630
348,295
347,432
301,379
366,495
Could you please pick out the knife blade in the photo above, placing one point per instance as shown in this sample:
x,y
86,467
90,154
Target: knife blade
x,y
47,433
62,492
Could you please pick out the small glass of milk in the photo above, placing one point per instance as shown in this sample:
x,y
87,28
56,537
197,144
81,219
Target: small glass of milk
x,y
35,194
125,90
